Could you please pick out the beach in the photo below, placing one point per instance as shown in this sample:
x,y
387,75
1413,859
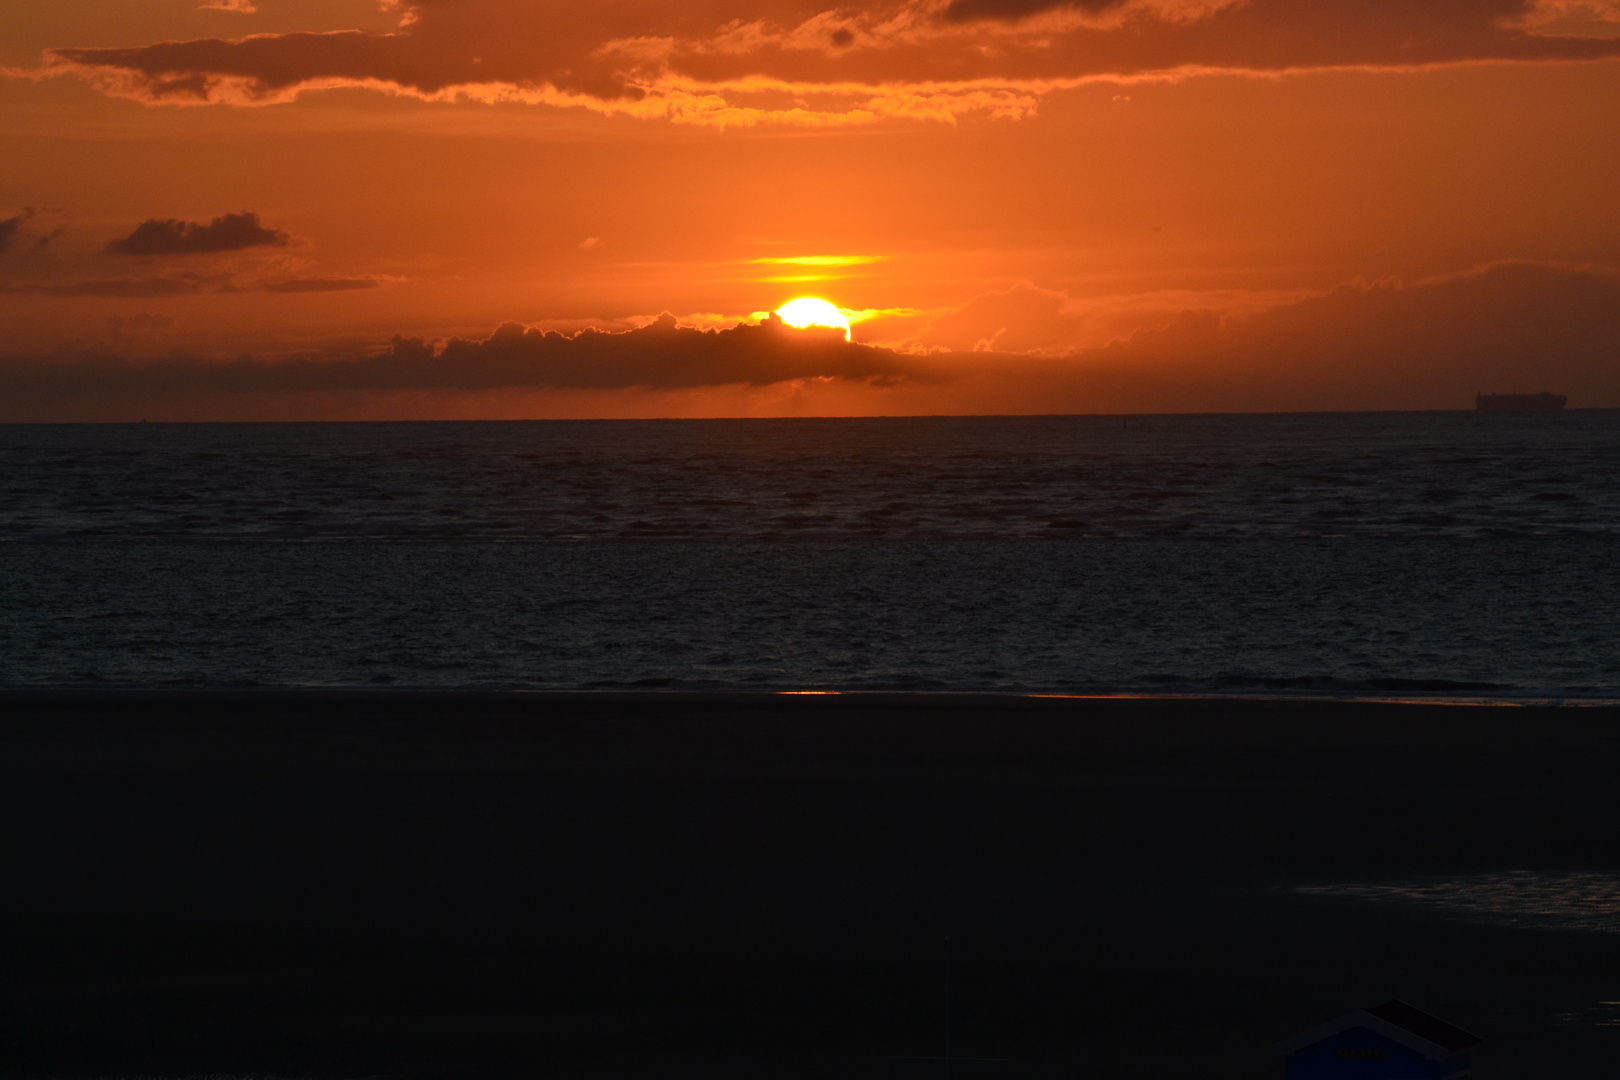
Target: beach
x,y
307,883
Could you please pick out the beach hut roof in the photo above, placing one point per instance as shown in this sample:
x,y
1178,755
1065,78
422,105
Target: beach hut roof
x,y
1396,1020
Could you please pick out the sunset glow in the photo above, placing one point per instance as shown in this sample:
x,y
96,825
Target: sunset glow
x,y
474,607
1035,206
810,311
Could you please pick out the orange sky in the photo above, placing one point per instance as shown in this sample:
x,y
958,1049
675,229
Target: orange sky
x,y
1107,205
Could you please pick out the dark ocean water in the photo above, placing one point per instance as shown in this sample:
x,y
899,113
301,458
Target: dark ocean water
x,y
1345,554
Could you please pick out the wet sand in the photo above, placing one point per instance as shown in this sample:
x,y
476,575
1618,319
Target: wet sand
x,y
468,885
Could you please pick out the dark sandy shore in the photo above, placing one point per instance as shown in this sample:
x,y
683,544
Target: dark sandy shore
x,y
463,885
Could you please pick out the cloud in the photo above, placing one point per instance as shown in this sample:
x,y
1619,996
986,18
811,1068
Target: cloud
x,y
231,232
1572,18
10,227
1513,326
26,225
143,322
309,285
1432,344
661,354
245,7
1021,319
1012,10
747,62
1025,318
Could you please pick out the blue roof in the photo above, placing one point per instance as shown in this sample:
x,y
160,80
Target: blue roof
x,y
1396,1020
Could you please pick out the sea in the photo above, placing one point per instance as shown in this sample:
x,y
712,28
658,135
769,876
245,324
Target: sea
x,y
1442,555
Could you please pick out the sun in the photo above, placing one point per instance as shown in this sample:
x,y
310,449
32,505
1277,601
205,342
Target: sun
x,y
813,311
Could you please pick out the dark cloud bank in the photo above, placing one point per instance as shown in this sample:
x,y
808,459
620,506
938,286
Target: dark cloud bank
x,y
661,354
230,232
1510,327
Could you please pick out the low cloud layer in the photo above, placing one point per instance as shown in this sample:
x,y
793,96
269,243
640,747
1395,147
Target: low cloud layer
x,y
661,354
230,232
1025,318
741,62
1509,327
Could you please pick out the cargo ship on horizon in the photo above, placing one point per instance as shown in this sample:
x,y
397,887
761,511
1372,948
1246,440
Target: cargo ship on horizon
x,y
1542,402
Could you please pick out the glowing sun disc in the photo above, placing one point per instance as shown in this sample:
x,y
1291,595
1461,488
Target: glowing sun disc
x,y
811,311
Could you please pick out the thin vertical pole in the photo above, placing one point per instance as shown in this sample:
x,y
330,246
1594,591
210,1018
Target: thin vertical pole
x,y
947,1009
